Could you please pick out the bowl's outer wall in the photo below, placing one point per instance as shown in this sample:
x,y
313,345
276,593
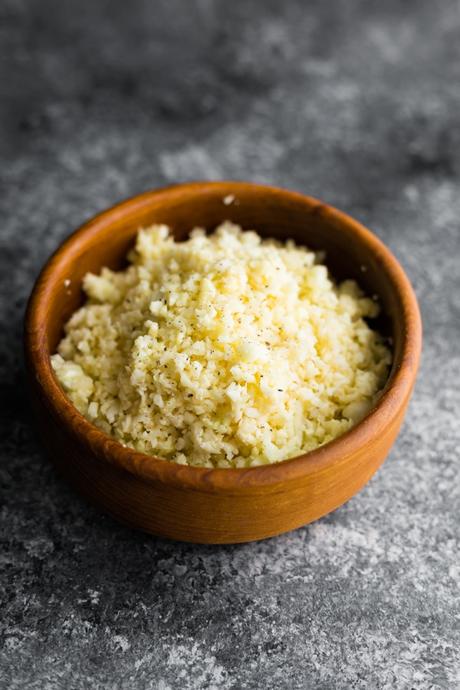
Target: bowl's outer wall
x,y
183,510
205,516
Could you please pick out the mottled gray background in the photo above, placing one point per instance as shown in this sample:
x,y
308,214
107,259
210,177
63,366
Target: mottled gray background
x,y
355,102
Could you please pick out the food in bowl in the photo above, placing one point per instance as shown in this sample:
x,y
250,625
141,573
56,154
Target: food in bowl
x,y
225,350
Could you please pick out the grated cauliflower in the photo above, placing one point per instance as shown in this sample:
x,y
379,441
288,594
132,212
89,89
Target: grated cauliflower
x,y
222,351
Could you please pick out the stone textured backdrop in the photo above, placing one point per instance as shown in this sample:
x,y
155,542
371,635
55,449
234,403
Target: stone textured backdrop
x,y
355,102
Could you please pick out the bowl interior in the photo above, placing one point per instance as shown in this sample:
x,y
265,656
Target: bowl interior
x,y
351,251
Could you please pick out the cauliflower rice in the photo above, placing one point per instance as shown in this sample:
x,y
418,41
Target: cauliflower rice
x,y
222,351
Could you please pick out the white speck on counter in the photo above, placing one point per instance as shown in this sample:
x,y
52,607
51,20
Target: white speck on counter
x,y
121,642
94,596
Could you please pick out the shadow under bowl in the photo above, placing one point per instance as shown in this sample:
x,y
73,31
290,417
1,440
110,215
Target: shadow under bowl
x,y
218,505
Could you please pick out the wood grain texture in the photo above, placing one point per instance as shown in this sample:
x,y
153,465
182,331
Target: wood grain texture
x,y
218,505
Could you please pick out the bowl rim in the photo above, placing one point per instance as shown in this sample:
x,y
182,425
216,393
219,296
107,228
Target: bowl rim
x,y
224,480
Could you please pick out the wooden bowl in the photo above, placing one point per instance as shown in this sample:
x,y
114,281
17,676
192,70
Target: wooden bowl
x,y
218,505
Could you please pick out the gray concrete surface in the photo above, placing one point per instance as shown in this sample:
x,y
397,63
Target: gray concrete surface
x,y
355,102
